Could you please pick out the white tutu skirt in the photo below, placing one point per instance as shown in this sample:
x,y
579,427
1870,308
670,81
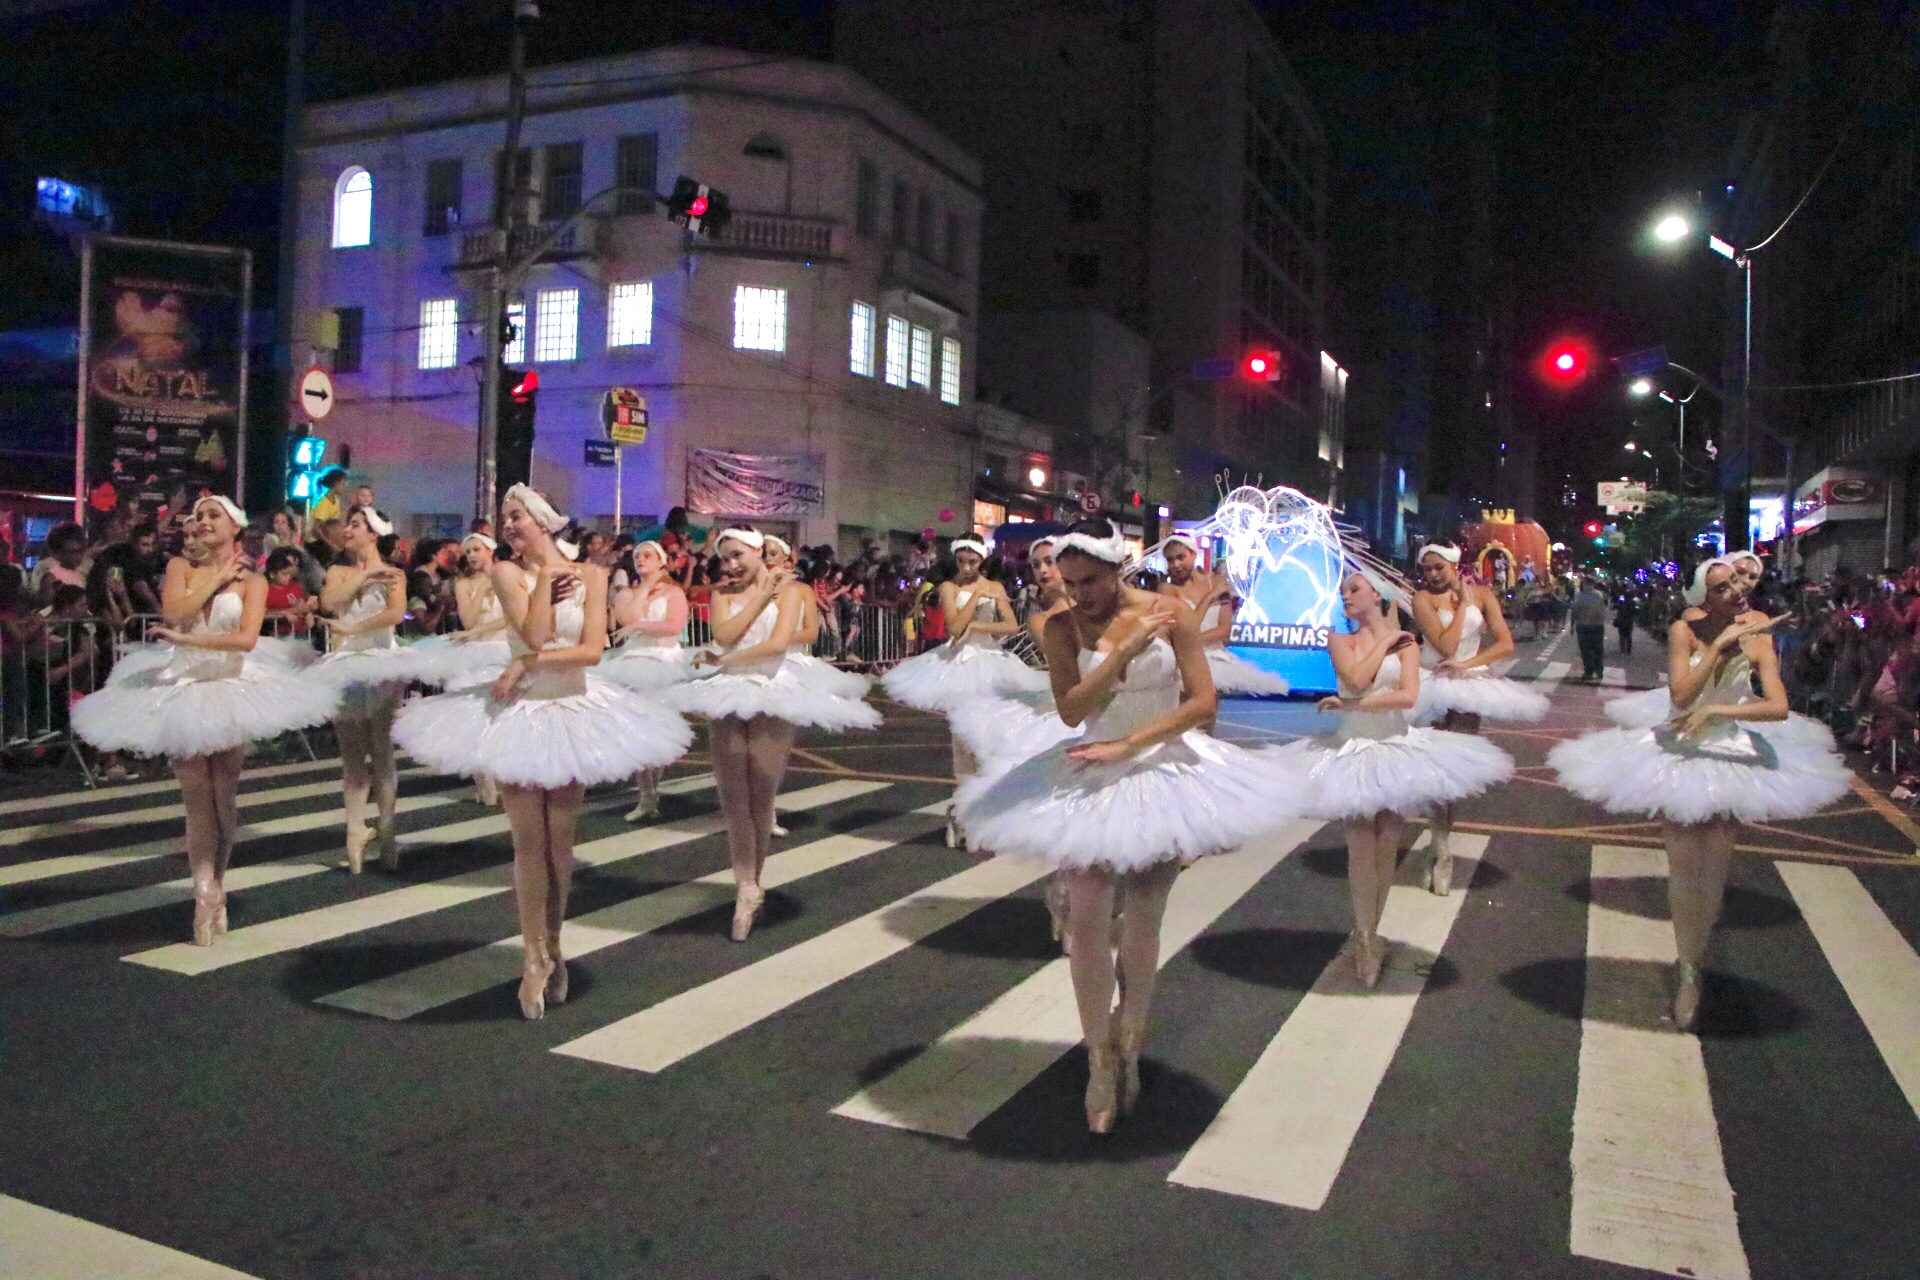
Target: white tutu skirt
x,y
1406,773
824,675
454,662
368,681
1490,697
1233,674
1187,798
1017,726
606,734
1650,707
1629,771
646,670
784,695
143,709
945,677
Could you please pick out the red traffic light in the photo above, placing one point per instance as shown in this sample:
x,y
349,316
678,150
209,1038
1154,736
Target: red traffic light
x,y
698,209
1260,366
1593,528
1566,361
524,389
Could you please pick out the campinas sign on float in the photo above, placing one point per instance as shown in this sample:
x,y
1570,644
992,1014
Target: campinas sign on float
x,y
1283,557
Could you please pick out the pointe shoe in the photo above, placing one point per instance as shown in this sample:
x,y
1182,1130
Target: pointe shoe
x,y
533,989
953,830
486,792
1686,995
389,848
746,908
777,830
1369,956
1103,1065
1126,1045
209,905
1440,872
646,807
557,981
356,849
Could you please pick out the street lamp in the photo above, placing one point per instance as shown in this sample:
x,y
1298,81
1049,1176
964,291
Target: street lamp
x,y
1671,228
1641,387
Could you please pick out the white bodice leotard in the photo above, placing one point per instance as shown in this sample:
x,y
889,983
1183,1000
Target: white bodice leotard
x,y
221,617
1150,689
1378,725
492,616
1470,631
758,632
656,611
569,624
984,610
1209,620
370,601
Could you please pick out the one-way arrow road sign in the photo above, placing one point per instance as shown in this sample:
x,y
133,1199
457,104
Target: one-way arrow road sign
x,y
316,393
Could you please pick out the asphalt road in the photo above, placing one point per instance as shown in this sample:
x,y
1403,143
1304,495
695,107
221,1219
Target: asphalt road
x,y
882,1082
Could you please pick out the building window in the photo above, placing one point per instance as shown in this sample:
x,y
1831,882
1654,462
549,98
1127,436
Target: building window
x,y
514,350
560,181
949,371
1083,203
353,209
920,359
439,333
556,335
923,227
902,213
866,200
522,179
954,237
860,358
443,196
637,165
1083,270
896,351
353,329
630,314
759,318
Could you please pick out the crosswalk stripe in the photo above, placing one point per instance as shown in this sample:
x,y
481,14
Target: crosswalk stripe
x,y
1876,965
98,795
656,1038
65,915
324,924
1551,675
1615,677
404,995
1285,1132
163,812
1650,1185
40,1244
975,1069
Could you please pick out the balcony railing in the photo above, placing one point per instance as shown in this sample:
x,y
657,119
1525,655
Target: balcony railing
x,y
484,248
776,234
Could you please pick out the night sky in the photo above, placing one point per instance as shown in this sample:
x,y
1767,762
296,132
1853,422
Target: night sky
x,y
1605,113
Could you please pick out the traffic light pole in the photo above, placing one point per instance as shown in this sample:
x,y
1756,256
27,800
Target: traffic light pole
x,y
493,302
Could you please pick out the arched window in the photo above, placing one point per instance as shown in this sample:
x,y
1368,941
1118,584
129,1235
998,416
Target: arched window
x,y
353,209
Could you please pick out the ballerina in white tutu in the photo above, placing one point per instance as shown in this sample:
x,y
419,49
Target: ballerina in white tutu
x,y
649,615
754,704
1456,620
1705,771
212,686
1118,809
970,663
545,729
1373,771
1210,596
1650,707
367,598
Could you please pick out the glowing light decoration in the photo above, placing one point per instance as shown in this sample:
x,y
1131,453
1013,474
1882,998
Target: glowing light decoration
x,y
1284,556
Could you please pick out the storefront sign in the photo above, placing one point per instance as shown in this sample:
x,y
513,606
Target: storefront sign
x,y
755,485
163,371
1839,493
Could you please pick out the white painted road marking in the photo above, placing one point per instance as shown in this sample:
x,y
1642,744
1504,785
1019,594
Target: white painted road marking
x,y
39,1244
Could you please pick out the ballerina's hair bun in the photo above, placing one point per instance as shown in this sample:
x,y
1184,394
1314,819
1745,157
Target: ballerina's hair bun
x,y
1094,537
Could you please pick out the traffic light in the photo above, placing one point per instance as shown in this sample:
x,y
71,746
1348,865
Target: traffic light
x,y
1260,365
513,439
698,207
1565,362
1593,528
303,468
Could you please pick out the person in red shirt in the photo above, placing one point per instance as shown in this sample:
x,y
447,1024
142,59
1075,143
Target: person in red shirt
x,y
288,604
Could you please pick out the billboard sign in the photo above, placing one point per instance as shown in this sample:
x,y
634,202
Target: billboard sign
x,y
1622,496
163,372
1839,493
756,485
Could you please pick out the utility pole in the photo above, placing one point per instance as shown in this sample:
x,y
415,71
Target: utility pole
x,y
493,301
284,320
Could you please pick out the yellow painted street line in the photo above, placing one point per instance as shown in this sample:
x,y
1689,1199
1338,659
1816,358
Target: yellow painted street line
x,y
973,1070
1286,1130
1888,811
39,1244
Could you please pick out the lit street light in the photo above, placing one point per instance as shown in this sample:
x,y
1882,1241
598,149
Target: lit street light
x,y
1672,227
1641,386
